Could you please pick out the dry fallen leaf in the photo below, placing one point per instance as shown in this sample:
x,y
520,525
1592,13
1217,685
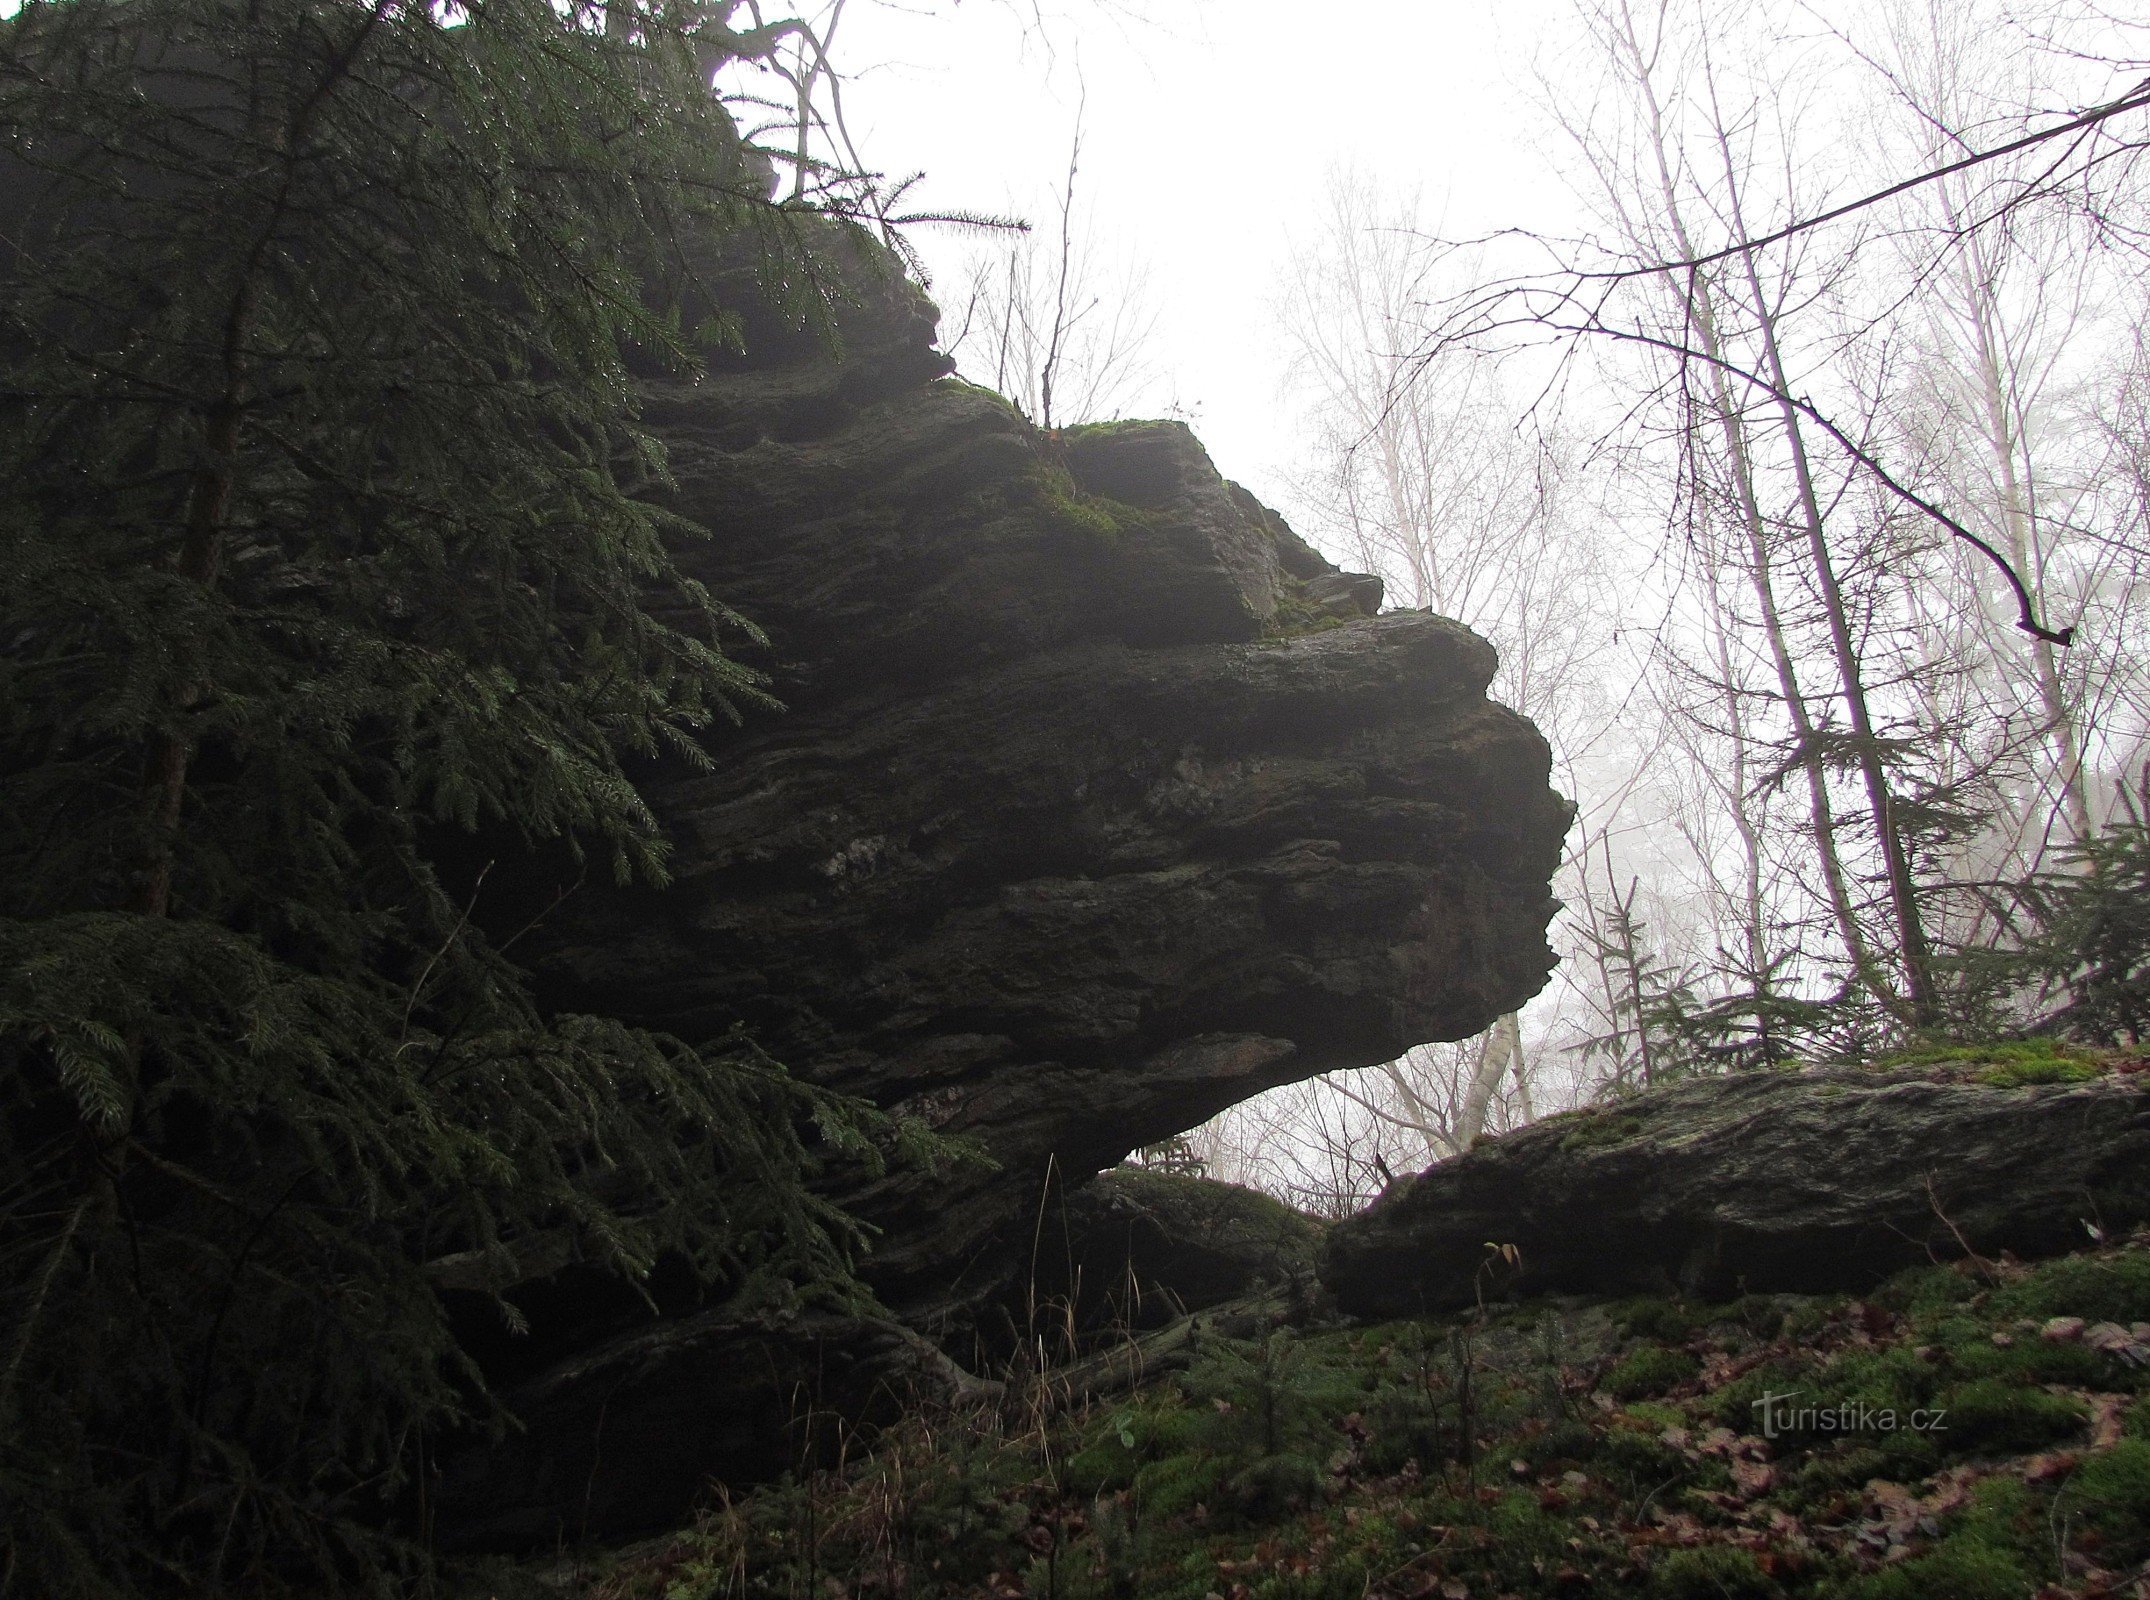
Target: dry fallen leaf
x,y
1753,1477
2131,1345
2106,1419
2050,1464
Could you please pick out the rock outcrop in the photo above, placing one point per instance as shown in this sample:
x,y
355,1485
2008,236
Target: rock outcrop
x,y
1098,803
1807,1181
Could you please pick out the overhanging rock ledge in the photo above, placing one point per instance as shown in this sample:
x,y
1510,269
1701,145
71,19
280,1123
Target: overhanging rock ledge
x,y
1100,803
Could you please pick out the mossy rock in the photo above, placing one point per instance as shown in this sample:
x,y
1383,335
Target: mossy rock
x,y
2002,1063
2137,1421
2109,1288
1956,1570
1847,1466
1652,1317
1990,1416
1563,1442
2021,1074
2110,1492
1797,1182
1762,1315
1971,1352
1892,1379
1601,1130
1052,493
1925,1289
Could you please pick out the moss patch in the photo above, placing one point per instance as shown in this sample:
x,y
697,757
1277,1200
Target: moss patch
x,y
1602,1129
1650,1369
2006,1063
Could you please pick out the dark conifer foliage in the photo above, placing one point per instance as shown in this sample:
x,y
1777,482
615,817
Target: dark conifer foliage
x,y
320,539
2095,942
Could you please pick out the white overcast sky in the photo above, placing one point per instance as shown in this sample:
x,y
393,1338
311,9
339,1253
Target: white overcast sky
x,y
1209,129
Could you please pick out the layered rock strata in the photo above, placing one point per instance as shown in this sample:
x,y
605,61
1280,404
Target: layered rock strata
x,y
1099,802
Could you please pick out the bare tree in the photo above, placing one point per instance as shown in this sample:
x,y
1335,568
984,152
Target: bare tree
x,y
1051,322
1431,478
1721,273
1877,517
1996,321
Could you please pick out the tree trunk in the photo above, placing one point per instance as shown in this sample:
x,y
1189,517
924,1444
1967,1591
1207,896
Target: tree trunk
x,y
2001,439
1699,311
1896,865
1502,1050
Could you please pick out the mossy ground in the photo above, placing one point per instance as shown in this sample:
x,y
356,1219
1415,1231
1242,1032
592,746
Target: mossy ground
x,y
1544,1450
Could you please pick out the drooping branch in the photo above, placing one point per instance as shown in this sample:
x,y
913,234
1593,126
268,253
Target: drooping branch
x,y
2026,618
1523,303
2136,99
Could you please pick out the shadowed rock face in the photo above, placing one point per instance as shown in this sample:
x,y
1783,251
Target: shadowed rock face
x,y
1812,1181
1097,806
1100,802
1138,1249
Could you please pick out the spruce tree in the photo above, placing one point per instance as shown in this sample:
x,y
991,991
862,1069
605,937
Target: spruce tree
x,y
323,539
2095,939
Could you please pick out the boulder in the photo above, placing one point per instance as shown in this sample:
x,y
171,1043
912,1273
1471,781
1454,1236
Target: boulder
x,y
1822,1180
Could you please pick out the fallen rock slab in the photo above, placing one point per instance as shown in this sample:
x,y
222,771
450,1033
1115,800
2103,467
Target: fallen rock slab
x,y
1814,1181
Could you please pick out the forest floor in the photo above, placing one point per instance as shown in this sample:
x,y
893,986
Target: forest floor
x,y
1972,1431
1962,1433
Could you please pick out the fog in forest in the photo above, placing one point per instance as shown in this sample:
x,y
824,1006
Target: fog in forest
x,y
1412,285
